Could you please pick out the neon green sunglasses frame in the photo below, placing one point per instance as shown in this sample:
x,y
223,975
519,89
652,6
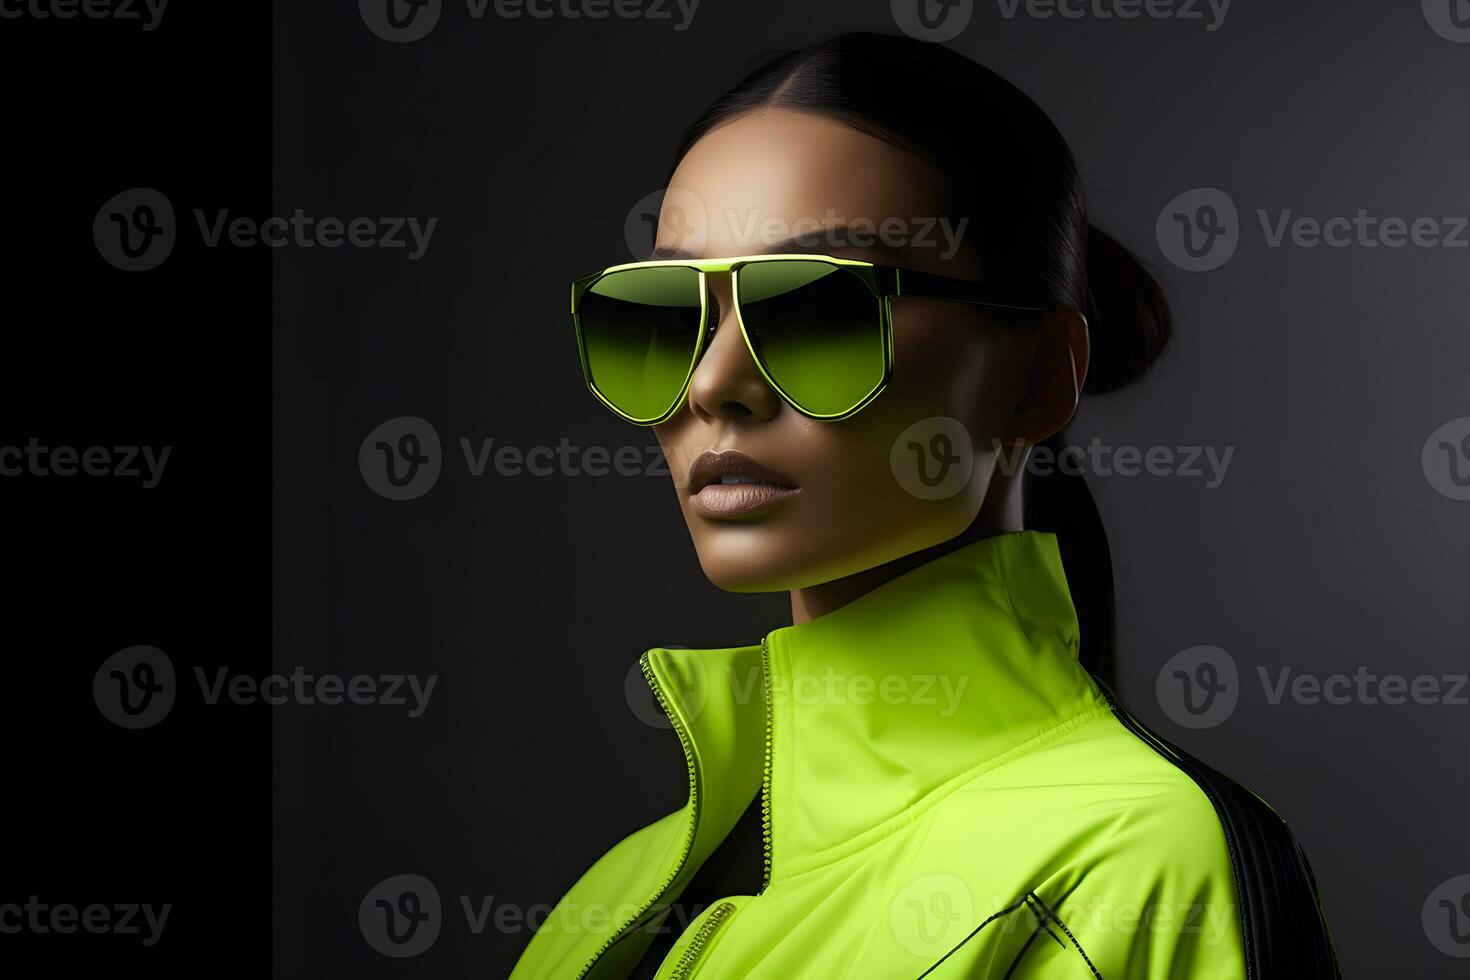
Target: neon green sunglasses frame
x,y
885,282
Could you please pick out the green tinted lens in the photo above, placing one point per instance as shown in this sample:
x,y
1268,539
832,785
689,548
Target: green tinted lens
x,y
817,329
639,330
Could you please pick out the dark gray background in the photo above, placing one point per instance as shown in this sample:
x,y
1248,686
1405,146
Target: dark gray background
x,y
1325,548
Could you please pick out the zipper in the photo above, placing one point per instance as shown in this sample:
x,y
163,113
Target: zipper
x,y
766,764
721,913
707,929
646,666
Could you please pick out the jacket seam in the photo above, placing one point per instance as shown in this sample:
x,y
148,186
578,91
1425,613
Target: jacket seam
x,y
1053,917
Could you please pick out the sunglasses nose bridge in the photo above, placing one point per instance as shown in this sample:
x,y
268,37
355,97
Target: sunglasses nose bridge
x,y
719,290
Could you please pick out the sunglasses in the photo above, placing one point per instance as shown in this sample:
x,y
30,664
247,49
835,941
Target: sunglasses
x,y
819,328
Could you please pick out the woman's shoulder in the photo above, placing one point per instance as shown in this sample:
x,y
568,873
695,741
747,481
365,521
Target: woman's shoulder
x,y
1134,835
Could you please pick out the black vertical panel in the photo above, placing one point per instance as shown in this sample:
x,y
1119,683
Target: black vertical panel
x,y
114,354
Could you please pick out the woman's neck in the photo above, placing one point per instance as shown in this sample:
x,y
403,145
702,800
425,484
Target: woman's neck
x,y
1000,514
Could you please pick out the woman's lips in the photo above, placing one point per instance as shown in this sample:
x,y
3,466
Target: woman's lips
x,y
731,484
739,500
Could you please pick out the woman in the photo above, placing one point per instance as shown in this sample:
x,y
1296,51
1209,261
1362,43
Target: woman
x,y
877,287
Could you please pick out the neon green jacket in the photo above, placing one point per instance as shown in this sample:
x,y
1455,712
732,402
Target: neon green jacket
x,y
945,793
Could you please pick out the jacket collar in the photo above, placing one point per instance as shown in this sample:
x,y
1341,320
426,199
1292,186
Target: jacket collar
x,y
848,722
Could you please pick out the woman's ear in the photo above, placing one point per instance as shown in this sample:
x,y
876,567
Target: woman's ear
x,y
1060,351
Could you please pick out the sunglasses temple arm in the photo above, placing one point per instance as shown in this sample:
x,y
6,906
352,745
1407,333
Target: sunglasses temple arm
x,y
907,282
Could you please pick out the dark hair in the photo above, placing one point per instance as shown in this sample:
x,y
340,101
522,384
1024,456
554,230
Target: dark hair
x,y
1012,174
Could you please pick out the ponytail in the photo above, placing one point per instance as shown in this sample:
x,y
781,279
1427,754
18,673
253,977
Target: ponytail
x,y
1128,326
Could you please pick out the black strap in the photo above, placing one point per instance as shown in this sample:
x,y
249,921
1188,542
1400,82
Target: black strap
x,y
1286,934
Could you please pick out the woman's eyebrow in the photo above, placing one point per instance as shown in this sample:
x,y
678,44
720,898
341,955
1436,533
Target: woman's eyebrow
x,y
818,241
673,253
835,238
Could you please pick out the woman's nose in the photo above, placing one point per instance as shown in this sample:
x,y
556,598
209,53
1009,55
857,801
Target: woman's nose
x,y
727,386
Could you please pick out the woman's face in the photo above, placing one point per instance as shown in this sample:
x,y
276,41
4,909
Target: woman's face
x,y
832,499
